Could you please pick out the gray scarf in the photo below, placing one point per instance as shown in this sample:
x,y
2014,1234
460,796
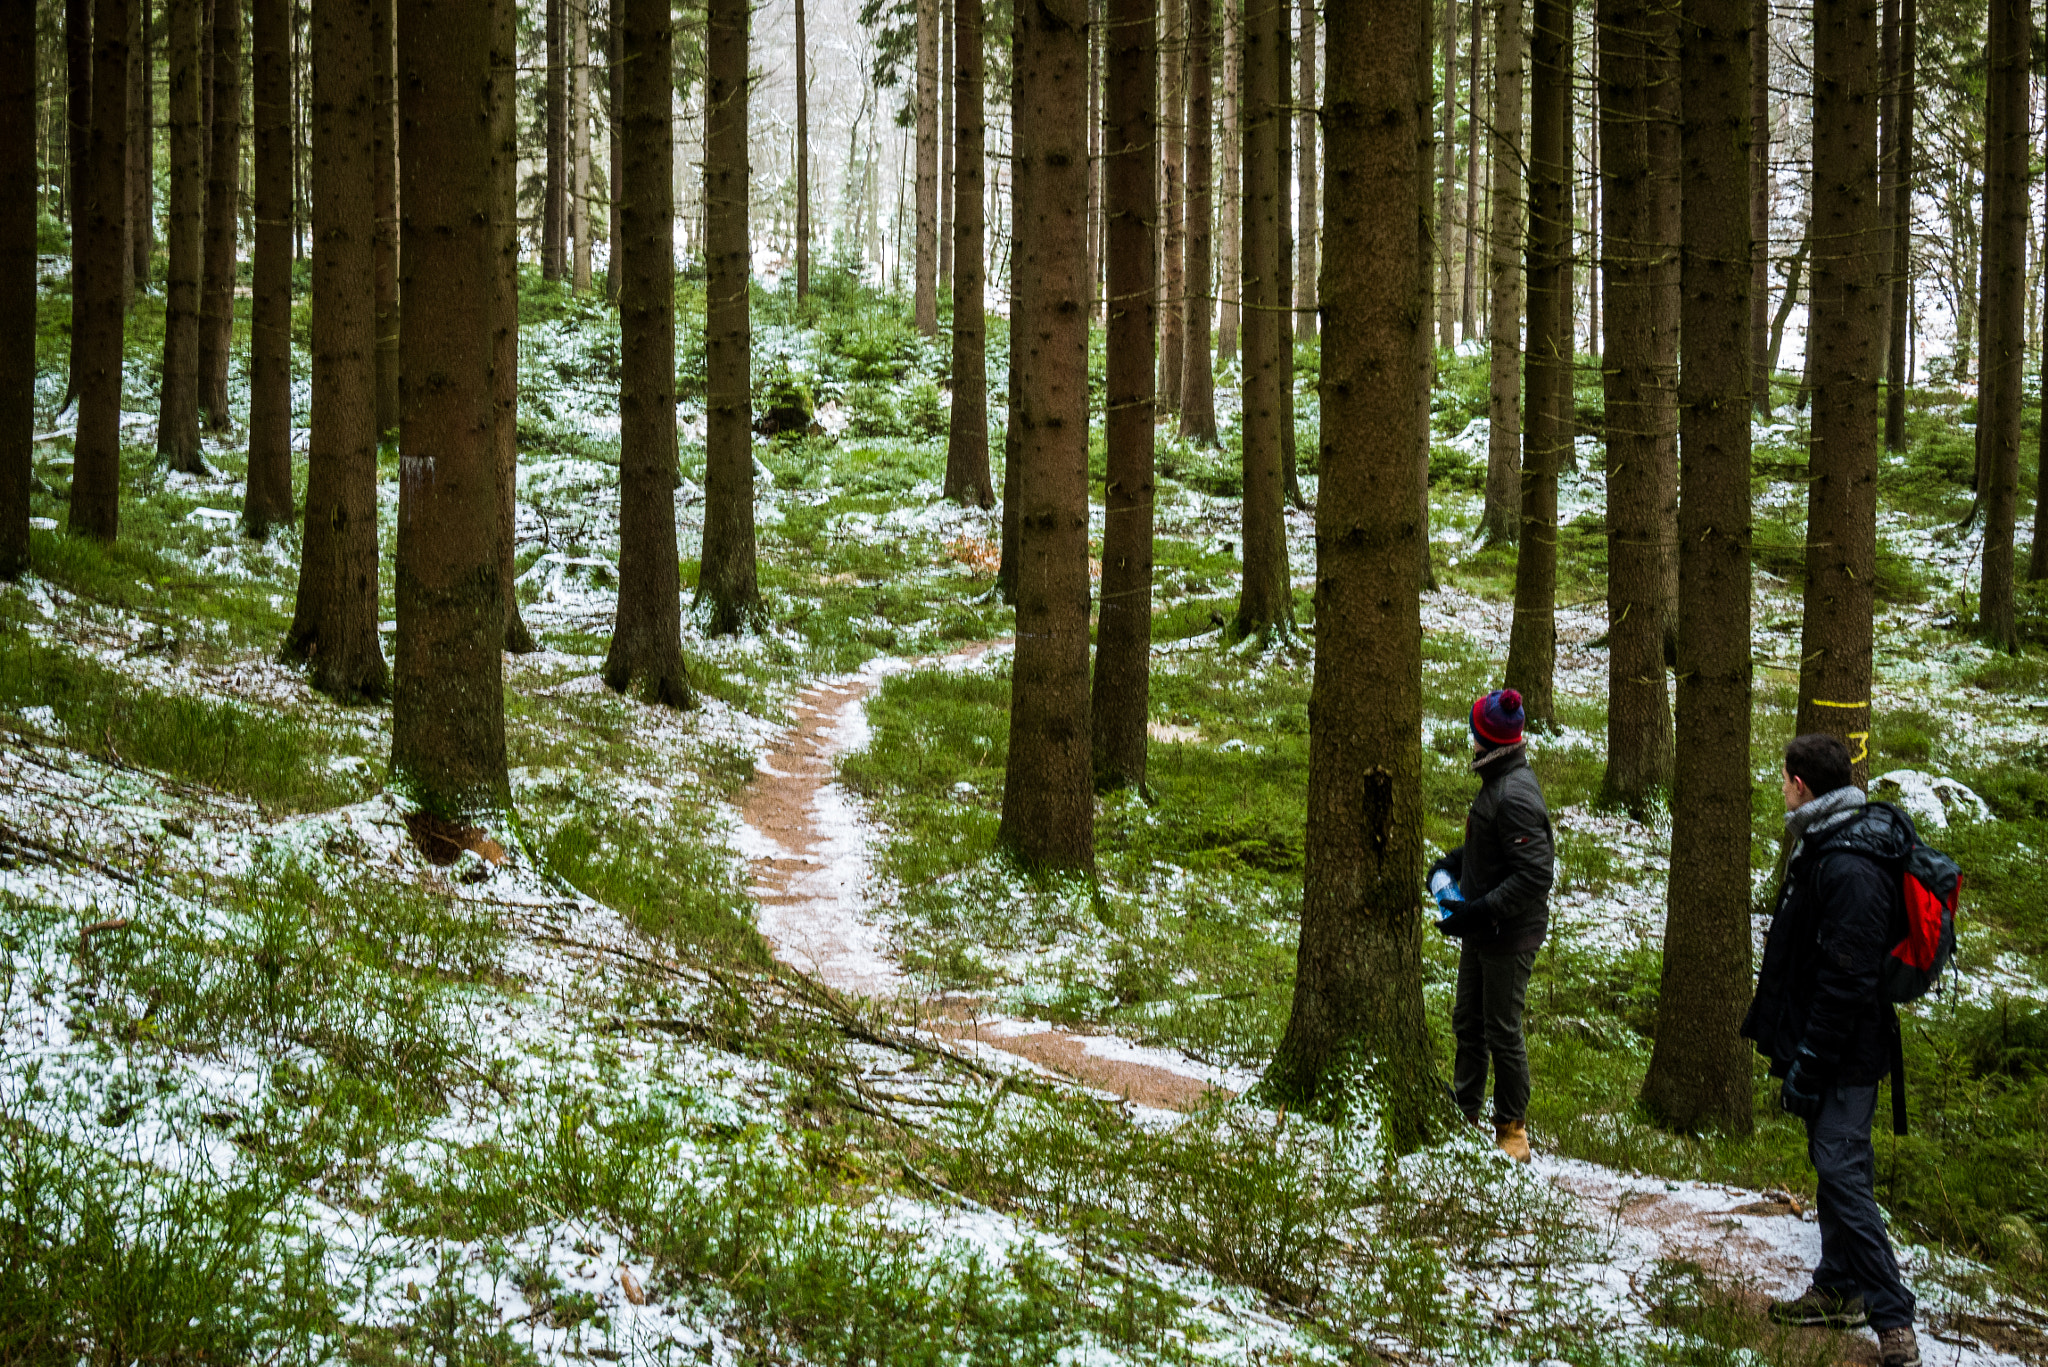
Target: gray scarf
x,y
1479,763
1823,813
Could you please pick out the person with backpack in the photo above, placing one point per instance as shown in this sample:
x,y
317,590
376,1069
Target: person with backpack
x,y
1494,892
1823,1018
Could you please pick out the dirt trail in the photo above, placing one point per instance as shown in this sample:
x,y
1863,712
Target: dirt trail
x,y
807,853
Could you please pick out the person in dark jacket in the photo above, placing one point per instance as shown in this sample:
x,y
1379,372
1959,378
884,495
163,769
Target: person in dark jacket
x,y
1494,892
1822,1020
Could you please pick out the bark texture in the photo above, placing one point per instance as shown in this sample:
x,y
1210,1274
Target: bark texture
x,y
78,149
1447,180
803,164
554,211
1699,1075
2006,211
1760,200
448,715
1851,247
335,622
579,146
384,35
1230,182
1900,316
1357,1017
1547,423
967,471
647,635
1198,382
1172,154
505,303
18,168
268,500
925,303
1123,649
728,591
223,217
1048,798
1638,54
100,238
141,149
1501,518
1265,602
177,428
1306,260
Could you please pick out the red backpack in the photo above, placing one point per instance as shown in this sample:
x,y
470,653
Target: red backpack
x,y
1931,884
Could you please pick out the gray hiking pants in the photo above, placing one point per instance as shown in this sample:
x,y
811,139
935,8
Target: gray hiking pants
x,y
1488,1023
1855,1252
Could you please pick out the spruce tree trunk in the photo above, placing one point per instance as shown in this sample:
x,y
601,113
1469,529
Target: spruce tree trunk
x,y
223,193
1265,601
1425,246
1198,383
1468,309
926,302
727,589
1171,120
1638,44
1306,261
2006,210
1283,212
1048,799
1699,1075
335,624
647,639
177,428
1447,181
141,149
1230,182
803,181
1501,519
1097,301
448,720
1851,248
1760,201
1131,197
1008,574
78,128
1358,978
946,139
1547,426
100,240
1902,247
268,500
967,472
384,248
579,137
505,323
19,168
1665,140
554,187
614,84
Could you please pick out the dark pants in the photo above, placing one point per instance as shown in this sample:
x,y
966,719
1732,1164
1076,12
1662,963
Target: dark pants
x,y
1488,1023
1855,1251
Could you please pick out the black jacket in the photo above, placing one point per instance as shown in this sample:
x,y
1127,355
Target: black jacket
x,y
1507,863
1838,916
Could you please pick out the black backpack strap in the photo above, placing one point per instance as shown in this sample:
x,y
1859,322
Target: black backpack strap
x,y
1898,1078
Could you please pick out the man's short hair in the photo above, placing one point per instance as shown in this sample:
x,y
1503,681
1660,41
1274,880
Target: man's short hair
x,y
1820,761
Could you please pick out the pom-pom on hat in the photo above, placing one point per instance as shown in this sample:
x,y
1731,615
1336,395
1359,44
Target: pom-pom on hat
x,y
1497,717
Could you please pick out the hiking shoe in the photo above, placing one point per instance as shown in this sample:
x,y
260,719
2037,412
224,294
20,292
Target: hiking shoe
x,y
1822,1308
1512,1139
1898,1347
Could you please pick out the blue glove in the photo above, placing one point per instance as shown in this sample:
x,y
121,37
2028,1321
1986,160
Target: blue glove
x,y
1801,1091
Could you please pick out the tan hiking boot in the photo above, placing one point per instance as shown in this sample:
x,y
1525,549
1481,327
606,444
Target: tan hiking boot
x,y
1898,1347
1512,1139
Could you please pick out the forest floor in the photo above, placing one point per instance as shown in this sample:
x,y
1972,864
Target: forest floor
x,y
740,1042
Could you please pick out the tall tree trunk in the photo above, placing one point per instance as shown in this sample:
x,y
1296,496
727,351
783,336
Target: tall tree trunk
x,y
384,248
1230,180
100,240
1850,250
1198,383
20,168
177,428
2006,210
946,140
579,140
1547,427
1902,245
1638,42
1097,300
727,588
1358,977
2037,562
647,636
78,128
1008,572
268,500
1170,298
1501,518
335,624
967,472
803,180
926,303
141,147
1283,213
554,228
223,186
1425,280
1468,307
615,68
505,301
1265,601
1048,799
448,717
1131,198
1699,1075
1447,181
1306,261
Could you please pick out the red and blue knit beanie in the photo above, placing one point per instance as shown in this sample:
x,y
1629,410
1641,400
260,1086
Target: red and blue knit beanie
x,y
1497,717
